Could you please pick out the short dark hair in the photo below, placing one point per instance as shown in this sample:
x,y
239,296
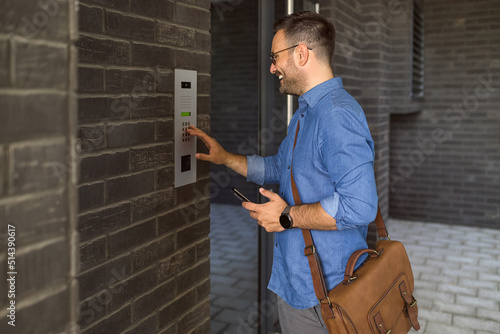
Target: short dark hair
x,y
310,28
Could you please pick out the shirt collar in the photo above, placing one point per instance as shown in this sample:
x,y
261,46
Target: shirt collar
x,y
313,95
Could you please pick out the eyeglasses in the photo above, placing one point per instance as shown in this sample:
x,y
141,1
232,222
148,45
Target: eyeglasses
x,y
272,55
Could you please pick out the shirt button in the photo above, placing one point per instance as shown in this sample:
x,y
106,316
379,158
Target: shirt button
x,y
301,115
276,245
281,193
288,167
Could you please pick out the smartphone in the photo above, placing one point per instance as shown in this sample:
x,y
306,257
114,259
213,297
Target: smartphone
x,y
240,195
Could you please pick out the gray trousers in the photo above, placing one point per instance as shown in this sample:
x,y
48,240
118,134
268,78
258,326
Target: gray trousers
x,y
295,321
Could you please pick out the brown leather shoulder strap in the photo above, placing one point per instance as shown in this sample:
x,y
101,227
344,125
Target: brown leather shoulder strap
x,y
310,251
381,229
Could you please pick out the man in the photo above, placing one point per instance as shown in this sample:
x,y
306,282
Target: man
x,y
332,167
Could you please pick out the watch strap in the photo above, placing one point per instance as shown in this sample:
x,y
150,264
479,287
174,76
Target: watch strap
x,y
286,210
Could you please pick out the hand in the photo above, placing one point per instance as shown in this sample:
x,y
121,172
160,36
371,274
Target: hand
x,y
217,154
267,214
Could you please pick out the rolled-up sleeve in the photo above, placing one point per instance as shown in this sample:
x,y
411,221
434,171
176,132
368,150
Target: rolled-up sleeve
x,y
256,169
263,170
354,202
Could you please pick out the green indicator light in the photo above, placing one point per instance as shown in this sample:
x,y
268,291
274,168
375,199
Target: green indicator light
x,y
186,113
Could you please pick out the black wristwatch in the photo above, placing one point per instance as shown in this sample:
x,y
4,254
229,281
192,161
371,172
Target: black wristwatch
x,y
285,219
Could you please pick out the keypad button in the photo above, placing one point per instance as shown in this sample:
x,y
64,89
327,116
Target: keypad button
x,y
185,135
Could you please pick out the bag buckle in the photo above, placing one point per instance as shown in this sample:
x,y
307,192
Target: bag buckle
x,y
412,303
326,301
309,250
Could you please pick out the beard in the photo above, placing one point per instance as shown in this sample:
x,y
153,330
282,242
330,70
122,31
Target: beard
x,y
292,80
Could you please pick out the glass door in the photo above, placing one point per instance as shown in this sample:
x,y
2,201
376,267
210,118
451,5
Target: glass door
x,y
275,112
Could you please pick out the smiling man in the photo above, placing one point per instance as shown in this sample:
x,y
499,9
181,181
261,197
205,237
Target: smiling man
x,y
330,150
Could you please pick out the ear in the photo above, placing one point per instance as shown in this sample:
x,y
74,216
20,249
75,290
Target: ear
x,y
302,54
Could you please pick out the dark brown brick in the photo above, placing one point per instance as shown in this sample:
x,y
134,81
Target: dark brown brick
x,y
133,236
98,109
101,222
204,84
113,4
185,59
105,165
174,35
152,56
114,324
177,308
133,82
92,138
203,291
205,4
103,51
147,326
103,276
203,63
92,253
153,300
204,105
90,79
165,130
203,250
203,41
193,17
203,168
131,288
151,205
91,196
131,134
90,19
155,8
165,82
151,106
193,277
127,26
192,234
93,309
173,220
187,193
193,318
164,178
153,252
176,264
147,158
129,186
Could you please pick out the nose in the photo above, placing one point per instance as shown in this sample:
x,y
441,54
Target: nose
x,y
272,69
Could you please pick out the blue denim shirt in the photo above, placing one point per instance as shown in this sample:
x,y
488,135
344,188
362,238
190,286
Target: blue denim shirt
x,y
333,165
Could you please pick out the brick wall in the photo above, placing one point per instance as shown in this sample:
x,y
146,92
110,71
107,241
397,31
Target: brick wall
x,y
37,181
143,244
445,159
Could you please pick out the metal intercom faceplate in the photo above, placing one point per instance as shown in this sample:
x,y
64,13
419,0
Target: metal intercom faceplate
x,y
185,93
